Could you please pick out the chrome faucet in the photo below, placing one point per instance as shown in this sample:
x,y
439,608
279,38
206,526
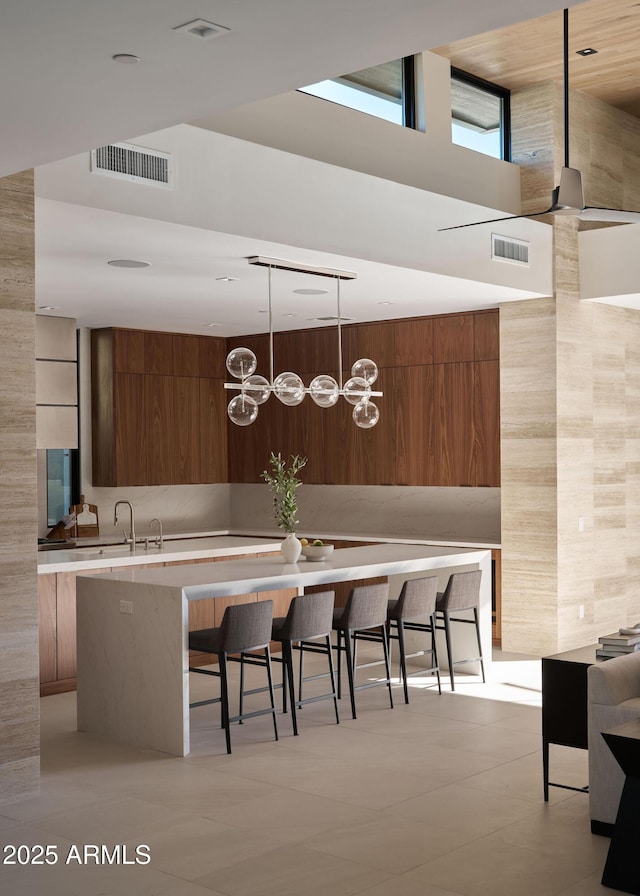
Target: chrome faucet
x,y
159,539
131,539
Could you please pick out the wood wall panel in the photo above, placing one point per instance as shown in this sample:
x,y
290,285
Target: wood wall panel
x,y
486,416
413,340
453,424
486,336
160,420
453,338
130,431
128,351
186,430
212,436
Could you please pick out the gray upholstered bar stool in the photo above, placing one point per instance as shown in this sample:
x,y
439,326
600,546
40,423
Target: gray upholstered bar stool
x,y
308,621
364,614
415,610
245,628
462,593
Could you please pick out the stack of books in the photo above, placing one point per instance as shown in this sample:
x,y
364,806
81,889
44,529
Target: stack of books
x,y
625,640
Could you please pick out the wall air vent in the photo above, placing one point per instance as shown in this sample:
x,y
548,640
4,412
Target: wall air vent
x,y
506,248
133,163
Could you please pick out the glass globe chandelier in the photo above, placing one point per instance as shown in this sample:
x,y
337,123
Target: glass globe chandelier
x,y
324,389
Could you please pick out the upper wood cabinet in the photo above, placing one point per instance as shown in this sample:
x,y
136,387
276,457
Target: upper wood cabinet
x,y
453,339
159,406
158,411
439,414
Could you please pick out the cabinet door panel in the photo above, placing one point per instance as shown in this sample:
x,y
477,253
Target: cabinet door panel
x,y
486,416
453,424
212,353
128,351
130,431
213,431
413,409
160,429
453,338
184,437
47,627
66,625
413,341
158,352
486,336
186,355
375,341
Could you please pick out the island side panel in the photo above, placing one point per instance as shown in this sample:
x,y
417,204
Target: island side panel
x,y
132,673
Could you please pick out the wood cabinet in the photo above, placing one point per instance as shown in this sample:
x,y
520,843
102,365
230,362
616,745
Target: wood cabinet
x,y
439,415
57,630
158,408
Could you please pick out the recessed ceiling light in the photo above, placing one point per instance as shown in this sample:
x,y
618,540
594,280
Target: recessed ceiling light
x,y
385,303
588,51
210,325
126,58
202,29
291,315
311,292
227,279
49,308
128,263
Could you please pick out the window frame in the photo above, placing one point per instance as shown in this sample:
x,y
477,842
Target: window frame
x,y
503,93
408,99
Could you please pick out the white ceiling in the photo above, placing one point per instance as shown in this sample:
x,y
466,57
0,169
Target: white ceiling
x,y
180,290
64,95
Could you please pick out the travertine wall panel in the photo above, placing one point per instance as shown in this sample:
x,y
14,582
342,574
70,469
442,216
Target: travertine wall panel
x,y
19,704
528,471
593,423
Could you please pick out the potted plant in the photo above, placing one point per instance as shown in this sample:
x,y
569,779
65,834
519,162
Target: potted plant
x,y
283,481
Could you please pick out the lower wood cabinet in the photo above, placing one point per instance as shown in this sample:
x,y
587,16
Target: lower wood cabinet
x,y
57,615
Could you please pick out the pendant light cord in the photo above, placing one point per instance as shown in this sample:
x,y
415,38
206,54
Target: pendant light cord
x,y
270,334
339,333
566,87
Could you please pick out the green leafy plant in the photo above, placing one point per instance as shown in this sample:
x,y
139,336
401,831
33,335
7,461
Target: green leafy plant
x,y
283,482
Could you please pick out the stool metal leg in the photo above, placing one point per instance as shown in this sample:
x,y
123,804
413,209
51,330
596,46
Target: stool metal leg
x,y
224,694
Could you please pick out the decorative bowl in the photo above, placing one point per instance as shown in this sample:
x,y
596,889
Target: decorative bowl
x,y
317,552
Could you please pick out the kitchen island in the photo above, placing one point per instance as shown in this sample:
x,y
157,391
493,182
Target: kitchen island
x,y
133,659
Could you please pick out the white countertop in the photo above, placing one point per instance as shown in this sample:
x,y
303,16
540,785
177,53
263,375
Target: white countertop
x,y
204,580
194,548
104,552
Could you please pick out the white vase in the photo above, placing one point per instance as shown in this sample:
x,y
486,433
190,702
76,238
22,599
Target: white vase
x,y
291,548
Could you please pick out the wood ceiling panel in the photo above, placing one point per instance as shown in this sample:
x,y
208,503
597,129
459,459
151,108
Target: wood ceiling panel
x,y
531,52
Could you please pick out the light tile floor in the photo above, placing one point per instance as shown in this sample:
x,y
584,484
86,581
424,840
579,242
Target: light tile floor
x,y
442,797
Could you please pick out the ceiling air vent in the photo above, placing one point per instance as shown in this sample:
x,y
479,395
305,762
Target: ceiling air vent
x,y
133,163
506,248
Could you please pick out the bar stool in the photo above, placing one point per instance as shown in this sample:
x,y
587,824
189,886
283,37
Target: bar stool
x,y
364,613
417,603
462,593
244,628
309,619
